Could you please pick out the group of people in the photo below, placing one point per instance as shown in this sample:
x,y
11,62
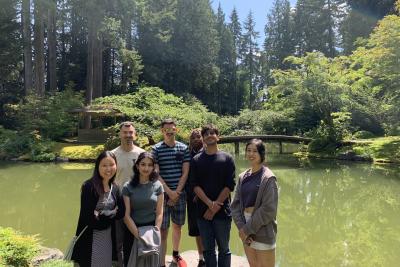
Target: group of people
x,y
133,195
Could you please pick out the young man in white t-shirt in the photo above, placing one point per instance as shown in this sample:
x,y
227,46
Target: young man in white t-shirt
x,y
126,154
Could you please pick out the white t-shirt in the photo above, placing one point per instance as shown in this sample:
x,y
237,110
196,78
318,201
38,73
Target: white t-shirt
x,y
125,162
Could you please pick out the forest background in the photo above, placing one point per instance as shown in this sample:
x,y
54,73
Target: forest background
x,y
329,69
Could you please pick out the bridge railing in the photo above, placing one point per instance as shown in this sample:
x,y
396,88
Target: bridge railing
x,y
276,138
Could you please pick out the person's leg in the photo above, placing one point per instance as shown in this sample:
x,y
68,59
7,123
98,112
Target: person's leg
x,y
119,238
222,229
251,255
178,215
208,240
192,223
265,258
199,245
176,236
128,242
164,239
164,233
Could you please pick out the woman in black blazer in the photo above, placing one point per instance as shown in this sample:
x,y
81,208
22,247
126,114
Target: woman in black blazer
x,y
101,205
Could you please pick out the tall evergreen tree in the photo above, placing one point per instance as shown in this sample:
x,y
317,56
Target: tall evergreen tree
x,y
250,55
236,31
10,56
226,61
362,17
314,27
155,26
195,46
278,42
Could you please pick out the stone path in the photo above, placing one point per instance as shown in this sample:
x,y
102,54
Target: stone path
x,y
191,258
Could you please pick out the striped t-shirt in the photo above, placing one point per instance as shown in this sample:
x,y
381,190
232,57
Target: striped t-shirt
x,y
170,161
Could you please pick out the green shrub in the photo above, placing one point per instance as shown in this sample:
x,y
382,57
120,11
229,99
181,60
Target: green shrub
x,y
148,106
81,152
274,122
227,125
322,144
57,263
249,121
363,135
262,122
394,130
28,145
17,249
48,115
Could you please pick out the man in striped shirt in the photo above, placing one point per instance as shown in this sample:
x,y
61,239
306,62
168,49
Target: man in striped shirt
x,y
173,159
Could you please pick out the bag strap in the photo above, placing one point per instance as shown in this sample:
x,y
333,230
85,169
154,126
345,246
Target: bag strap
x,y
81,233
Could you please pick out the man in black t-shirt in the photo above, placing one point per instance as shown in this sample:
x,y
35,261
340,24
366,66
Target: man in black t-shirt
x,y
212,175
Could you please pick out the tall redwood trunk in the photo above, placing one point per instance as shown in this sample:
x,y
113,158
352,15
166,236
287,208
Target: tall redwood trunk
x,y
26,34
52,46
89,71
39,48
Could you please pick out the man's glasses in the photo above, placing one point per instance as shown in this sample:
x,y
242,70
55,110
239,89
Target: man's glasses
x,y
169,130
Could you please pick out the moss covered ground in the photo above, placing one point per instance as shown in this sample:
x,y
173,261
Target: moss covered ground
x,y
78,152
382,149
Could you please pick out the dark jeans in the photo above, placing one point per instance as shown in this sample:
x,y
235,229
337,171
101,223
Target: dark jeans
x,y
216,230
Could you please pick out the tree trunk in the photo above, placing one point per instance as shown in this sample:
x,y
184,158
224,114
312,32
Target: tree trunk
x,y
26,33
52,46
112,70
63,65
331,37
39,48
107,71
128,33
97,67
89,72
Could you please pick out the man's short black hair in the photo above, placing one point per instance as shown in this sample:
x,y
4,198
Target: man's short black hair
x,y
168,121
208,128
126,124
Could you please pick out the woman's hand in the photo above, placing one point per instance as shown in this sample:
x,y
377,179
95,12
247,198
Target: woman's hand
x,y
249,240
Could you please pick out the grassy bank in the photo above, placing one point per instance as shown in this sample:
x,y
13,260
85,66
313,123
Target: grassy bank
x,y
383,149
376,150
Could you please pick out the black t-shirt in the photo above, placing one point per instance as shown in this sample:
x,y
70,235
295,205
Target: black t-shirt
x,y
212,173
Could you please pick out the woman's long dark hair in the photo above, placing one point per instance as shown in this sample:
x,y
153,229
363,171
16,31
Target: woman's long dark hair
x,y
260,147
136,175
96,178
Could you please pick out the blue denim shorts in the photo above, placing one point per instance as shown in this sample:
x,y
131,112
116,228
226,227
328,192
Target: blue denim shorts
x,y
177,213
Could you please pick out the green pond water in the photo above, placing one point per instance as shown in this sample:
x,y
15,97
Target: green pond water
x,y
331,213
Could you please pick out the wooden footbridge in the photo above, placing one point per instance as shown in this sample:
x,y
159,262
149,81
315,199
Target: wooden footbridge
x,y
266,138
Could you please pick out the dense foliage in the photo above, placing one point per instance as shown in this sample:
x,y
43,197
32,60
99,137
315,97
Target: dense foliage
x,y
49,115
185,47
17,249
150,105
313,76
35,122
